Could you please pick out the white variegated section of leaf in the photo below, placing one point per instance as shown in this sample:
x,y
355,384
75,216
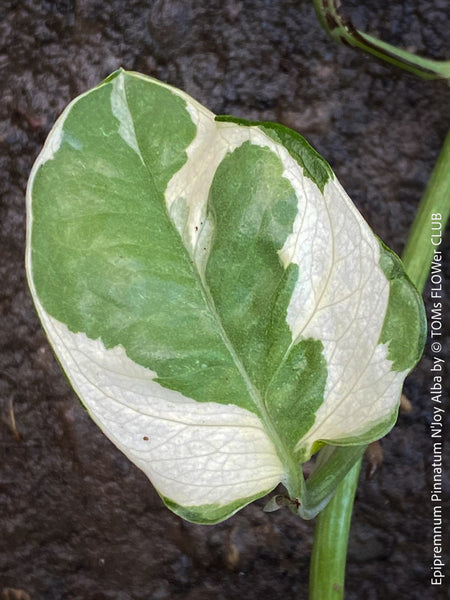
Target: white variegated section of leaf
x,y
121,111
341,298
196,453
188,190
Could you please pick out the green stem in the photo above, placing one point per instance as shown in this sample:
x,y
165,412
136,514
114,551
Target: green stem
x,y
342,30
328,559
419,249
326,579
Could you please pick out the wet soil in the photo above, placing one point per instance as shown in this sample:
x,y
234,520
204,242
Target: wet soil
x,y
77,520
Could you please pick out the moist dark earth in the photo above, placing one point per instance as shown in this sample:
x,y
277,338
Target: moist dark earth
x,y
77,520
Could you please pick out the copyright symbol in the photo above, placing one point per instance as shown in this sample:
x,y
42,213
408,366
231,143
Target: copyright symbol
x,y
436,347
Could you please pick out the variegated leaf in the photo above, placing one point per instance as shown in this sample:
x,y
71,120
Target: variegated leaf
x,y
217,302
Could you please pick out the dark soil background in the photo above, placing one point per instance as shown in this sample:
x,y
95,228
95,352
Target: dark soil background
x,y
77,520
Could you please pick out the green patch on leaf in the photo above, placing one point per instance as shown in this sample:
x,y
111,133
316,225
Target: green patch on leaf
x,y
405,326
296,390
315,167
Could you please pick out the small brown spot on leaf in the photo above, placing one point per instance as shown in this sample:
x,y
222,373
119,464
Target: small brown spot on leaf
x,y
145,438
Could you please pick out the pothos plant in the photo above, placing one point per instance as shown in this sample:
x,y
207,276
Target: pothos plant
x,y
219,305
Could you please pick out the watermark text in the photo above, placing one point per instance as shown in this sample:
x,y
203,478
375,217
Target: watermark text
x,y
437,401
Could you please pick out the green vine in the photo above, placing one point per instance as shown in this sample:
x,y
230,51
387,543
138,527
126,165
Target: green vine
x,y
342,30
